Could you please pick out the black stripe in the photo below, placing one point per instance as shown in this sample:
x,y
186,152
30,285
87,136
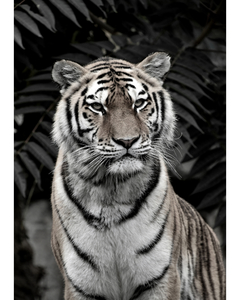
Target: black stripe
x,y
145,87
156,240
122,67
77,288
84,91
125,79
84,256
157,109
183,290
98,69
191,218
102,75
142,92
217,250
148,285
208,260
139,203
101,89
124,73
119,63
162,99
69,114
104,81
89,218
130,85
80,131
99,65
180,266
90,97
201,260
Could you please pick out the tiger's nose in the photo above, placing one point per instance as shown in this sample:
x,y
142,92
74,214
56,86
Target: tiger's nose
x,y
126,143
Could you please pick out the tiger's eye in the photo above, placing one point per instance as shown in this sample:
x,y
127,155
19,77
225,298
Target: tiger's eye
x,y
139,102
97,106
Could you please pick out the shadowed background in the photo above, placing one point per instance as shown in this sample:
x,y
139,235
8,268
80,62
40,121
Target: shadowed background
x,y
192,32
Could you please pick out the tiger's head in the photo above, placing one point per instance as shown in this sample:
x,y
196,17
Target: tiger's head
x,y
114,114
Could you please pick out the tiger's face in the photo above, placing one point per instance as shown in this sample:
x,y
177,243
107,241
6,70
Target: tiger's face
x,y
114,111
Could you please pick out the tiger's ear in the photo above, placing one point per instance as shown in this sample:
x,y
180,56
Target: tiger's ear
x,y
66,72
156,64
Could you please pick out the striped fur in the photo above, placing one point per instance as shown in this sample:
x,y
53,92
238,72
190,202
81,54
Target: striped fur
x,y
119,230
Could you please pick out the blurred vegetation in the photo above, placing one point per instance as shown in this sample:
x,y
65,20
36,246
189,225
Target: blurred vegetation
x,y
192,32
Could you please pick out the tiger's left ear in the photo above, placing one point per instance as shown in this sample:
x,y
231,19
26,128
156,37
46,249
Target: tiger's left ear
x,y
156,64
66,72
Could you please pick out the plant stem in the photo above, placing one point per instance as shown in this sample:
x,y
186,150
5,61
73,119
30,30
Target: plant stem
x,y
105,26
19,4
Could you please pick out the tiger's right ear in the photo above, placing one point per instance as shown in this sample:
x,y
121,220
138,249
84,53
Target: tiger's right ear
x,y
65,72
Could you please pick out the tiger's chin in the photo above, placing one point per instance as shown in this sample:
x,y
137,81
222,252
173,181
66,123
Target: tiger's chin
x,y
126,166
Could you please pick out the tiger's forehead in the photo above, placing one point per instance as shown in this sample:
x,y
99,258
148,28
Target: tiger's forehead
x,y
100,90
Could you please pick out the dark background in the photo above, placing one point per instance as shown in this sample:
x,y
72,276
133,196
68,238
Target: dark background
x,y
192,32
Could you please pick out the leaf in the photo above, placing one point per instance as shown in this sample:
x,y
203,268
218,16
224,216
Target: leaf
x,y
214,175
66,10
37,17
221,216
88,48
195,66
186,116
41,77
128,56
40,87
97,2
189,74
18,143
105,45
214,197
202,143
184,102
206,160
46,11
182,130
144,3
76,57
46,126
46,143
169,44
20,178
187,82
187,94
111,2
120,40
142,50
31,166
80,6
40,154
29,110
192,68
33,99
27,22
18,37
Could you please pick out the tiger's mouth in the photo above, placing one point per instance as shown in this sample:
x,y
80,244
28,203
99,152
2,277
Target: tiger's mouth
x,y
126,164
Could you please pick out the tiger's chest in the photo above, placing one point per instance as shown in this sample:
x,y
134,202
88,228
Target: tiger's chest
x,y
116,265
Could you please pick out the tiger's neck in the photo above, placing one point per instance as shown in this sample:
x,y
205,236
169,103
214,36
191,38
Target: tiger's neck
x,y
114,199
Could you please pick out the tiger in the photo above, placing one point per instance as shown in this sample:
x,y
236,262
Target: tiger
x,y
119,230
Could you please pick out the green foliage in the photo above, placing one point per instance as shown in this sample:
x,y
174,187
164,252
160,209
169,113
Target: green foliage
x,y
192,32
